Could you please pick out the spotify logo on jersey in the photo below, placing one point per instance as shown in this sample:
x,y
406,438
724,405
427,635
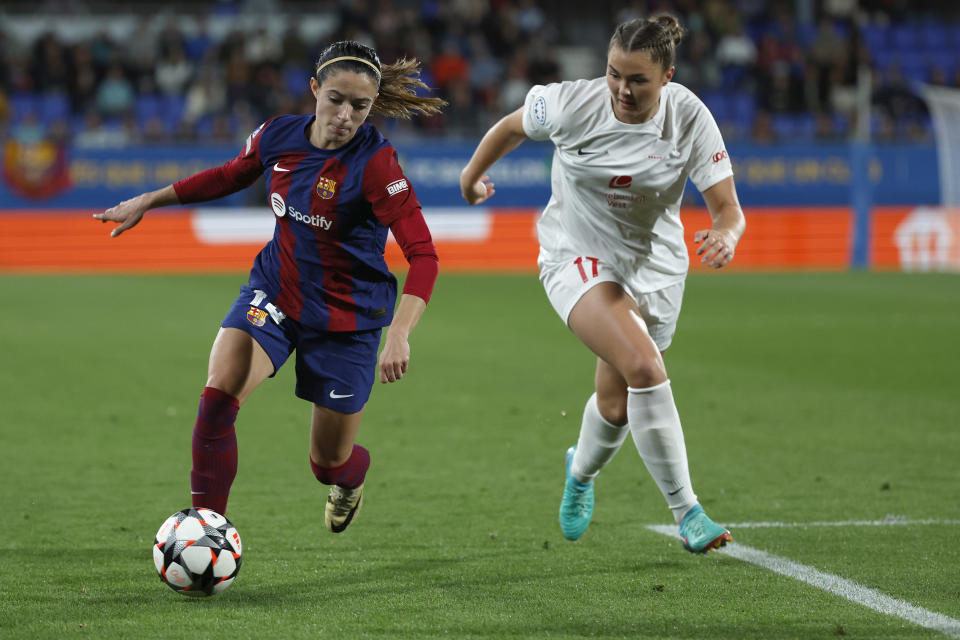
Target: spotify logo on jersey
x,y
279,206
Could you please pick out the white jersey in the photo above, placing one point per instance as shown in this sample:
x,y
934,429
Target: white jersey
x,y
616,187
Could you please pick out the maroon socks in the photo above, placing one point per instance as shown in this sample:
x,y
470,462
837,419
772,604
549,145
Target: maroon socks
x,y
215,454
214,450
350,474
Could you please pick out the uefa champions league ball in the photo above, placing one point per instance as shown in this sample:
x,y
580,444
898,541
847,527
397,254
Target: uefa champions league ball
x,y
197,552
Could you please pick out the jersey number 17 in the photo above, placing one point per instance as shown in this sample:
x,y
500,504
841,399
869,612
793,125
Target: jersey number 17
x,y
593,266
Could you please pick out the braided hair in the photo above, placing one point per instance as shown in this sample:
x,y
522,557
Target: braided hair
x,y
659,35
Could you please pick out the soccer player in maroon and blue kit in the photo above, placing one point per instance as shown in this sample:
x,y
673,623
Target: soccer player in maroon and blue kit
x,y
321,286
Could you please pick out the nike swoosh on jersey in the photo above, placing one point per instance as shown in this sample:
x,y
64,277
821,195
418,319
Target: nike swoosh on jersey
x,y
581,152
337,396
277,167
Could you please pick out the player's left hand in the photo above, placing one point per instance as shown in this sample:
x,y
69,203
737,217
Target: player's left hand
x,y
716,246
394,358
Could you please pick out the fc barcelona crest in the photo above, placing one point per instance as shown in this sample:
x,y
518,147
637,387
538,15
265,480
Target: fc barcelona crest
x,y
256,317
35,170
326,188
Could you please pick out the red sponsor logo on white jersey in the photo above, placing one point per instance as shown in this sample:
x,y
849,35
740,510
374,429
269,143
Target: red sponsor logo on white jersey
x,y
620,182
719,155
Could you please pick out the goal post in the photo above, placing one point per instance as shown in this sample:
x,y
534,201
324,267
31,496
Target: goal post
x,y
944,104
928,239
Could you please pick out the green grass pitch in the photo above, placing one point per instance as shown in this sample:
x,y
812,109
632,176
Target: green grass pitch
x,y
805,398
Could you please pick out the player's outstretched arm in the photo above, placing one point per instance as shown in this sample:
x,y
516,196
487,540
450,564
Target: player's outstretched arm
x,y
395,356
718,244
129,212
502,138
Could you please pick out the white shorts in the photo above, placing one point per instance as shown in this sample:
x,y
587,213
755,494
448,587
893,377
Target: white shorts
x,y
566,282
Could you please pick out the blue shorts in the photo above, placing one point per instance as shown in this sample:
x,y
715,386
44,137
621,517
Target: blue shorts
x,y
335,369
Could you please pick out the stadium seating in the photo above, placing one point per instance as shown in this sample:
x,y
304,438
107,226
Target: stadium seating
x,y
923,50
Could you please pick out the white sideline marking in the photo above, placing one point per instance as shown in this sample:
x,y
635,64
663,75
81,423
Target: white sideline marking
x,y
834,584
889,521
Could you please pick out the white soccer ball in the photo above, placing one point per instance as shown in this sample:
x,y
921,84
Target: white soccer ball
x,y
197,552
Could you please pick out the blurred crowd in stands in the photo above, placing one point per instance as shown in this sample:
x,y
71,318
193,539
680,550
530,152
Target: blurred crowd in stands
x,y
212,71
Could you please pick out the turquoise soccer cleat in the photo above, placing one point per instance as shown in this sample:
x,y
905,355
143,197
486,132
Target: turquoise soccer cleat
x,y
700,534
576,508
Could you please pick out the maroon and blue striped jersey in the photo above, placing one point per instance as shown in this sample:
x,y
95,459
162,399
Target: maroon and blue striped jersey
x,y
324,266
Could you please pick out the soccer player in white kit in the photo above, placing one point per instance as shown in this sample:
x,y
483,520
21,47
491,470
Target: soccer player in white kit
x,y
612,256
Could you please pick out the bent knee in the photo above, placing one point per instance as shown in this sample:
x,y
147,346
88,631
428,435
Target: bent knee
x,y
228,382
322,461
613,408
645,372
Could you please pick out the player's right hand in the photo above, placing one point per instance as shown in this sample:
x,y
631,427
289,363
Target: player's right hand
x,y
716,246
128,213
478,191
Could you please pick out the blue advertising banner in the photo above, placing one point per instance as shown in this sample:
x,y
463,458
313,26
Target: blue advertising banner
x,y
766,175
42,175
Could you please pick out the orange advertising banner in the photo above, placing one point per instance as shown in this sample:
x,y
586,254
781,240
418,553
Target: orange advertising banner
x,y
916,238
467,239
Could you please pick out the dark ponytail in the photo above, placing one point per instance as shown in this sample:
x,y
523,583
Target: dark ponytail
x,y
397,83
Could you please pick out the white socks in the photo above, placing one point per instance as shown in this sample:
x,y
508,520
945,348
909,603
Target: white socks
x,y
655,425
599,442
653,420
